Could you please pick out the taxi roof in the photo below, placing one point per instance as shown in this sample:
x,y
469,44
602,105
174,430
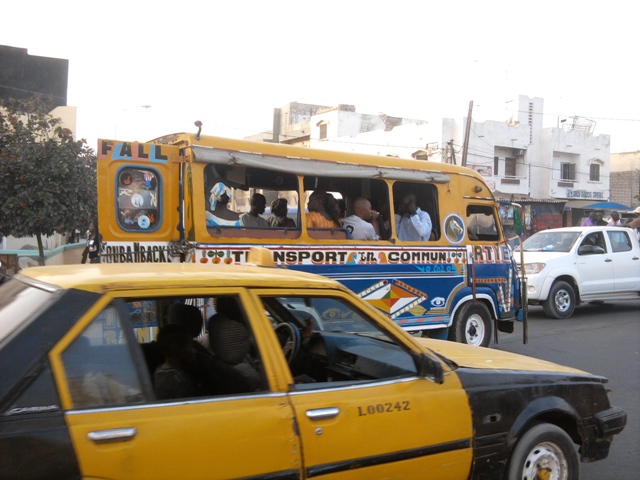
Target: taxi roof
x,y
122,276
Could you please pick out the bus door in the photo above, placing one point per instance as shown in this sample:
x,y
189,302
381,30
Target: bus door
x,y
140,201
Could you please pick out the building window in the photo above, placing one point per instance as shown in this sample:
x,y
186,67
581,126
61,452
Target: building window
x,y
496,164
594,172
322,125
567,171
509,167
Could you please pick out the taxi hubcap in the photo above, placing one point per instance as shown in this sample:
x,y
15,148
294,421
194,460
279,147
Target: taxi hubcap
x,y
545,462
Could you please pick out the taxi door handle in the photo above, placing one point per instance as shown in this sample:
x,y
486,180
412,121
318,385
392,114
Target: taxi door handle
x,y
114,435
323,413
608,260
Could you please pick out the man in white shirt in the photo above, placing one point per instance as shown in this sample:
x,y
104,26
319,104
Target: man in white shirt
x,y
615,219
363,224
252,218
412,224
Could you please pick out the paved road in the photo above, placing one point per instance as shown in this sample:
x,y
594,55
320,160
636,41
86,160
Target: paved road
x,y
604,340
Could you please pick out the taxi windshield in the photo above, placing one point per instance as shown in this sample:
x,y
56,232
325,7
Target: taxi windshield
x,y
19,303
330,315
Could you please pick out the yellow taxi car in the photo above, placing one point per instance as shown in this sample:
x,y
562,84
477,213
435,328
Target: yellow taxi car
x,y
148,371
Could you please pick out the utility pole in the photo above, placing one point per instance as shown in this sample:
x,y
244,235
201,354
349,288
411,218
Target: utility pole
x,y
465,146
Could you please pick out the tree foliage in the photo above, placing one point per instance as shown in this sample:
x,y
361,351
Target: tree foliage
x,y
47,178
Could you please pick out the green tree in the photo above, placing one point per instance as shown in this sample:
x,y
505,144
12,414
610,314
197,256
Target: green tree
x,y
47,179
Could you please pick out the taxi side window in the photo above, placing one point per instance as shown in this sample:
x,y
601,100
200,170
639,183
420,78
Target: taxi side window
x,y
328,342
99,365
197,347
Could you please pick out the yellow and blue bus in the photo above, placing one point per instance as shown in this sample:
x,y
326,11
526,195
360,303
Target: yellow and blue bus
x,y
161,201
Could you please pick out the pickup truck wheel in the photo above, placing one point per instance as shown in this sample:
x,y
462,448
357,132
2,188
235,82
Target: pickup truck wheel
x,y
544,451
561,301
472,325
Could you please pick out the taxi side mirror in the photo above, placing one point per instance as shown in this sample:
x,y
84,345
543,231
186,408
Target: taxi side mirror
x,y
430,368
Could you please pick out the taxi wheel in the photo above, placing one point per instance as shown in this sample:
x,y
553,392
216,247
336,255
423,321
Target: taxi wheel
x,y
472,325
561,301
544,452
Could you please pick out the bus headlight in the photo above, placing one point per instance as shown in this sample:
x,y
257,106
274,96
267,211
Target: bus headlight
x,y
533,268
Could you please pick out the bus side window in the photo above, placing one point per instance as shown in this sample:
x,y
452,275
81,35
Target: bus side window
x,y
481,223
427,200
344,192
240,185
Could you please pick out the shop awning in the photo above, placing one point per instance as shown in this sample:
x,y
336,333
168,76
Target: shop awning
x,y
607,206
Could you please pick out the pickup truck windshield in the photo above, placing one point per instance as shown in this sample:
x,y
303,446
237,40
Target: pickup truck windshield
x,y
550,241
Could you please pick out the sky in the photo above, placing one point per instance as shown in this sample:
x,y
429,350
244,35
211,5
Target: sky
x,y
139,69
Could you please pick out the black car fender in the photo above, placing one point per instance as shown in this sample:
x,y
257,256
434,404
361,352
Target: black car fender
x,y
553,410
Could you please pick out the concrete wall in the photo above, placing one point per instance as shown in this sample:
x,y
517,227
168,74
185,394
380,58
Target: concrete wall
x,y
625,162
625,187
625,178
68,115
64,255
49,243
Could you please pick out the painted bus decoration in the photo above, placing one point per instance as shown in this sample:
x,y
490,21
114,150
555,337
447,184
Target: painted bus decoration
x,y
186,198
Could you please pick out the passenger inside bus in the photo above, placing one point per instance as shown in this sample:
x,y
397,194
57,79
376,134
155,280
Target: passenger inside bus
x,y
412,223
220,215
323,211
363,224
253,218
279,219
384,220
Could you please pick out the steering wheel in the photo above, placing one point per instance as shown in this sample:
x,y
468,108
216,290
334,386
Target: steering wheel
x,y
289,337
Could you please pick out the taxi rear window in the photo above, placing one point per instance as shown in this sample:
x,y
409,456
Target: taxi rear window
x,y
19,303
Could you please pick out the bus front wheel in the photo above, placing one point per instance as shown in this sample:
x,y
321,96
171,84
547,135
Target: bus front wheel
x,y
472,325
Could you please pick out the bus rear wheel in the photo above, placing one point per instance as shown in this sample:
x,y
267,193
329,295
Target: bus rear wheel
x,y
472,325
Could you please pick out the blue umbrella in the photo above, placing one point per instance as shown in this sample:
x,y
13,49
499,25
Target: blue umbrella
x,y
606,206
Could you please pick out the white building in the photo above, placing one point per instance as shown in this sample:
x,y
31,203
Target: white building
x,y
519,158
524,160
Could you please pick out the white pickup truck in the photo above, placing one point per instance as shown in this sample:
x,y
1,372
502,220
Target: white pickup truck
x,y
567,266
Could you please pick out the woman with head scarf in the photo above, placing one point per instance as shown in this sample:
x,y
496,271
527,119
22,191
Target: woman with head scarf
x,y
219,214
